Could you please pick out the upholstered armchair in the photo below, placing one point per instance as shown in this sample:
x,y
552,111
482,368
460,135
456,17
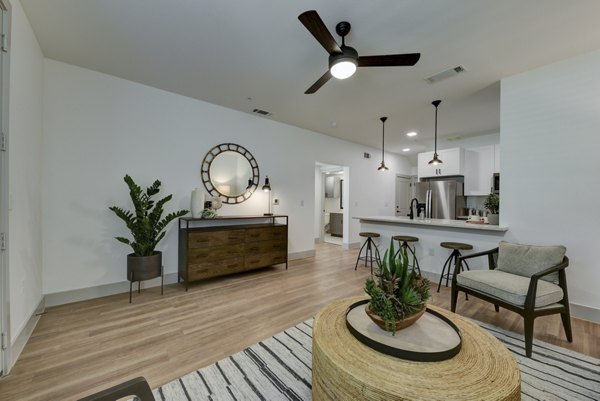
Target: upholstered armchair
x,y
526,279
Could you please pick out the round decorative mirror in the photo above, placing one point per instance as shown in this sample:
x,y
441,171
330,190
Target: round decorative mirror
x,y
230,172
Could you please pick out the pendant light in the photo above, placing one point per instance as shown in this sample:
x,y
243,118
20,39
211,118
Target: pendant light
x,y
435,161
383,167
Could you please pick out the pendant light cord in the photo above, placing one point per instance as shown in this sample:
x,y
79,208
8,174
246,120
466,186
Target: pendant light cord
x,y
383,143
435,146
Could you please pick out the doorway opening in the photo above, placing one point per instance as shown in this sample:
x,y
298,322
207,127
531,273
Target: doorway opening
x,y
405,191
331,212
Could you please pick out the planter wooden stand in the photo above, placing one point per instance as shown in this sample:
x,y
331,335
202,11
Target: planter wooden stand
x,y
144,268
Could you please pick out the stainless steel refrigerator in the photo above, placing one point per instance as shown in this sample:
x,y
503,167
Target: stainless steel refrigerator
x,y
442,199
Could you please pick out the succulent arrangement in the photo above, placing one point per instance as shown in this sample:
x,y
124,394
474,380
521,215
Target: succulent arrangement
x,y
397,292
145,222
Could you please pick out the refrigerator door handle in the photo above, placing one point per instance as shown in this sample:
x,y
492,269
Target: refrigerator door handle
x,y
428,205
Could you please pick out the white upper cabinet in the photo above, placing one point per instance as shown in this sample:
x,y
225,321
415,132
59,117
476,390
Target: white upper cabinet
x,y
453,163
479,170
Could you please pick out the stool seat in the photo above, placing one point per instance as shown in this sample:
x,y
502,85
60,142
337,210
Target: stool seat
x,y
406,238
456,246
369,234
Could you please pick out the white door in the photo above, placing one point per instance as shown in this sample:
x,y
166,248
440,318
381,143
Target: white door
x,y
3,189
403,195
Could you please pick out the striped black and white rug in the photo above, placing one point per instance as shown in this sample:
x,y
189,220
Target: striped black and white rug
x,y
279,368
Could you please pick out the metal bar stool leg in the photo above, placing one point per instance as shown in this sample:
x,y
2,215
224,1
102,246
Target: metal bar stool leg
x,y
368,252
447,262
358,257
415,261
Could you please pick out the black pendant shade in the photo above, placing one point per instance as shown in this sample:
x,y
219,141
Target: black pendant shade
x,y
436,160
382,166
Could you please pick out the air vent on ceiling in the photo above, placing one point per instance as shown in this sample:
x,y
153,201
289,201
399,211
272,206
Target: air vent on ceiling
x,y
262,112
450,72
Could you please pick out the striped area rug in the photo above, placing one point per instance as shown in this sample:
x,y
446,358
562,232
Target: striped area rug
x,y
279,368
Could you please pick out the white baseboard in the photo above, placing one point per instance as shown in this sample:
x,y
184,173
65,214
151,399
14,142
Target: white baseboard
x,y
82,294
351,245
18,343
302,255
585,312
318,240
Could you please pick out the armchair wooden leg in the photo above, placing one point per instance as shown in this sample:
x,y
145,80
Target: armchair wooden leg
x,y
528,335
566,321
453,299
497,308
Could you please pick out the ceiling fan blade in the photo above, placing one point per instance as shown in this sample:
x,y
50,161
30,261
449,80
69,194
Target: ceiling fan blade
x,y
314,24
390,60
320,82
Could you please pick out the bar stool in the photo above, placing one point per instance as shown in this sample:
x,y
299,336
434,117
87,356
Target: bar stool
x,y
370,244
403,241
456,248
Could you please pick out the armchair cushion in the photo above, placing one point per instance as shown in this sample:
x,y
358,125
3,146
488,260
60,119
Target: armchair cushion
x,y
527,260
509,287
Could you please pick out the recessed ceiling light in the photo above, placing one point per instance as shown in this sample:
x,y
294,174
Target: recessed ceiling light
x,y
406,150
413,133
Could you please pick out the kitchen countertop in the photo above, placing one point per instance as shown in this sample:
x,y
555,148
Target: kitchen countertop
x,y
443,223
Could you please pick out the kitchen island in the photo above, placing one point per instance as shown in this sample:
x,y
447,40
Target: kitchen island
x,y
431,232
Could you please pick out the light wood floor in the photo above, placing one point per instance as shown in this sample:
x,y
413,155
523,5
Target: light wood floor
x,y
84,347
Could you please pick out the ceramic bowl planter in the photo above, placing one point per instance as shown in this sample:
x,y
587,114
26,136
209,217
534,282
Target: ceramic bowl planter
x,y
398,324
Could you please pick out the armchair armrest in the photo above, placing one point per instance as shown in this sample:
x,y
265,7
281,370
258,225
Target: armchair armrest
x,y
490,254
532,291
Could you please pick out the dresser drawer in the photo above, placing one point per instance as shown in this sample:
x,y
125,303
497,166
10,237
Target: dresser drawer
x,y
207,239
266,233
277,245
216,268
199,255
264,259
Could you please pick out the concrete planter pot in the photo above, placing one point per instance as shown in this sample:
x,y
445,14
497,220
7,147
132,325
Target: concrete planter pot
x,y
494,219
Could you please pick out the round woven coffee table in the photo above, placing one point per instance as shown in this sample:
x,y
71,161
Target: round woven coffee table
x,y
346,369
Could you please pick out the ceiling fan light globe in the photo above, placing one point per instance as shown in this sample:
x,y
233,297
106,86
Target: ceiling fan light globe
x,y
343,68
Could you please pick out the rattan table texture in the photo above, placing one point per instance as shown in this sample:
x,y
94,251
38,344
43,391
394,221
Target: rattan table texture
x,y
345,369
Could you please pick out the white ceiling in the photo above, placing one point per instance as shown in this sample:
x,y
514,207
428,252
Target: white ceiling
x,y
256,54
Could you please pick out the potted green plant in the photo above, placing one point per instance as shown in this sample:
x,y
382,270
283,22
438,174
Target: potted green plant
x,y
147,227
398,294
492,203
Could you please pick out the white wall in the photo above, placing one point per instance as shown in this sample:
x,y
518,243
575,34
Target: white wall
x,y
98,127
25,154
550,137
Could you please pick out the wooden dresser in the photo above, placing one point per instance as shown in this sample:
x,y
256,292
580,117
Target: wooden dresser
x,y
230,244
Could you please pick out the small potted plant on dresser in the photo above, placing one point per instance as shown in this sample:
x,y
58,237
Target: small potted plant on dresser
x,y
398,294
147,227
492,203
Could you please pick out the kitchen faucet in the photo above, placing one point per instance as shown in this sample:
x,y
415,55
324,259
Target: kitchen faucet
x,y
411,214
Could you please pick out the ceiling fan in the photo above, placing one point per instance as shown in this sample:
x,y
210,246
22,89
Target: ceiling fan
x,y
343,60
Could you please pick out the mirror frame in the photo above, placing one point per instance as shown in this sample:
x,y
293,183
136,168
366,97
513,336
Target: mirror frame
x,y
205,172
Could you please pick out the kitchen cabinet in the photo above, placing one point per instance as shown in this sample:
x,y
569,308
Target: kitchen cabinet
x,y
453,163
479,169
336,224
